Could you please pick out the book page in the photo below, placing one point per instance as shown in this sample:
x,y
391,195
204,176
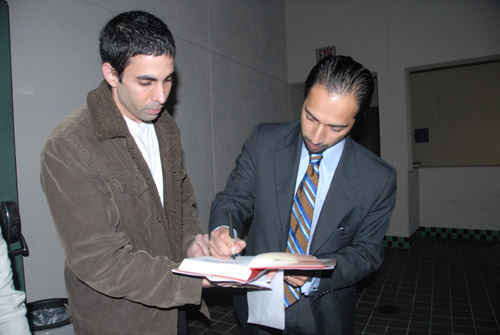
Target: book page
x,y
239,260
282,260
247,268
210,266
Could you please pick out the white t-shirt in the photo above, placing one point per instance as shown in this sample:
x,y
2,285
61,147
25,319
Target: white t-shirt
x,y
145,136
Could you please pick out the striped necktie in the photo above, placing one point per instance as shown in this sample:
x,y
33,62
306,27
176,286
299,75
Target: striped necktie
x,y
301,219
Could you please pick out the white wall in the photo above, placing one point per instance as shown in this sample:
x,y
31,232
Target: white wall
x,y
388,37
466,200
231,66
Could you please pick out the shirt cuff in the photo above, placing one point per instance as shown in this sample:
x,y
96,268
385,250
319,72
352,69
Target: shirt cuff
x,y
310,286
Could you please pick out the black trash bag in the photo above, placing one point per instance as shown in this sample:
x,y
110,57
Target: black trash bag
x,y
47,314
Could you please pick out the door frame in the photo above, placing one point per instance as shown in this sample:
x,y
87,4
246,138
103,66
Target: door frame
x,y
8,175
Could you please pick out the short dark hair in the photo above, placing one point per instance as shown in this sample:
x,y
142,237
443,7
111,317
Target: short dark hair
x,y
343,75
134,33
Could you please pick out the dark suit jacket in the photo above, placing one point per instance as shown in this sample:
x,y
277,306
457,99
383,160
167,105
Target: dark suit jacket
x,y
351,226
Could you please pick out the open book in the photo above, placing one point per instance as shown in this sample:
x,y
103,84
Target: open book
x,y
245,269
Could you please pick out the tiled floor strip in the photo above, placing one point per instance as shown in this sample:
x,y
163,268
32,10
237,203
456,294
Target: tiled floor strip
x,y
435,287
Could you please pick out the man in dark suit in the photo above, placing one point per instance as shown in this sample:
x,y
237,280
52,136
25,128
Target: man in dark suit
x,y
351,202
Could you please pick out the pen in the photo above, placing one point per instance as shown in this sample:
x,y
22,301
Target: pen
x,y
231,233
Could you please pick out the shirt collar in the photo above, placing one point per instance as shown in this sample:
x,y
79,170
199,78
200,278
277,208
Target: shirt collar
x,y
331,156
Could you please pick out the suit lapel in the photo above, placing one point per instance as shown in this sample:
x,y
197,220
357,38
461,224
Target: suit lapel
x,y
339,199
286,163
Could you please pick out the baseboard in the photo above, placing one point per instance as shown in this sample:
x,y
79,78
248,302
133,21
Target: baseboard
x,y
448,233
460,234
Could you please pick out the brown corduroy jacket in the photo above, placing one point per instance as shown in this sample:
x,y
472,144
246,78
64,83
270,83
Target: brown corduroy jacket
x,y
120,243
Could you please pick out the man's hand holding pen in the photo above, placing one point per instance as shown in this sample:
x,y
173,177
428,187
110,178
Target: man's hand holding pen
x,y
223,246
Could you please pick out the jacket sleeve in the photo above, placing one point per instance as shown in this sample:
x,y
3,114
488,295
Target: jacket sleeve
x,y
238,196
12,309
190,222
99,249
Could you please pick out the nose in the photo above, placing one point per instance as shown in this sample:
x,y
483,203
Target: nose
x,y
317,135
161,94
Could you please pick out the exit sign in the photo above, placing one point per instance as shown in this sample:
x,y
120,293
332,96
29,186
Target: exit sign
x,y
324,52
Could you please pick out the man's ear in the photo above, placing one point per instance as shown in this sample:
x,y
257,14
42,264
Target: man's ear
x,y
110,75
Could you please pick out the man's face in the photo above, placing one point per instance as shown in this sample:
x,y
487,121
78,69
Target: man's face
x,y
144,88
326,118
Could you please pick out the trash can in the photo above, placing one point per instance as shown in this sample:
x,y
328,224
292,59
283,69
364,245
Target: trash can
x,y
49,316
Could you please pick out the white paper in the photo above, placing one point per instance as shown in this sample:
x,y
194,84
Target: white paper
x,y
266,307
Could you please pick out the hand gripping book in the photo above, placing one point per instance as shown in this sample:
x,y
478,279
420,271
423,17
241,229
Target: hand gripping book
x,y
245,269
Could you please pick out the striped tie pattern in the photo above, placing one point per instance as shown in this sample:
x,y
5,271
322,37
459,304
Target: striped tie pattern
x,y
301,219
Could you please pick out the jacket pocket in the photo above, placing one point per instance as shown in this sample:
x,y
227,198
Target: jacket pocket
x,y
133,201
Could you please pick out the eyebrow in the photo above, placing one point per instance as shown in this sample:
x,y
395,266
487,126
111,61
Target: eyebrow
x,y
329,125
148,77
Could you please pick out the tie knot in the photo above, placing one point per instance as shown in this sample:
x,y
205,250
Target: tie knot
x,y
315,159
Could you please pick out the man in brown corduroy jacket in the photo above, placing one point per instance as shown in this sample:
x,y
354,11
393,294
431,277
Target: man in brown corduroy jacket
x,y
122,203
